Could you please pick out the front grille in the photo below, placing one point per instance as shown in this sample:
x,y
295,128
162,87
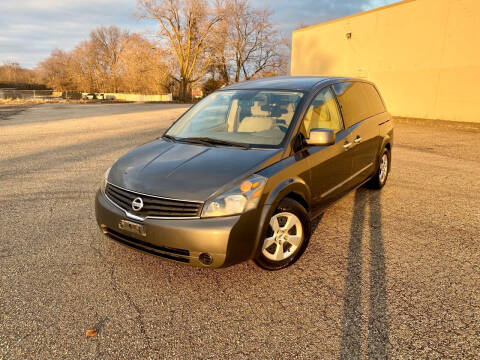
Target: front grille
x,y
152,205
163,251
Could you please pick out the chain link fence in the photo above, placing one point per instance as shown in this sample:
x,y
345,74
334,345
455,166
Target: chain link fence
x,y
45,95
50,95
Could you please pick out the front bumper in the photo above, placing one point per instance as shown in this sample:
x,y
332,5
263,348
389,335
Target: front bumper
x,y
228,240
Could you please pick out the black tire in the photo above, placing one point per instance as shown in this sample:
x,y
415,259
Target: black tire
x,y
377,181
291,206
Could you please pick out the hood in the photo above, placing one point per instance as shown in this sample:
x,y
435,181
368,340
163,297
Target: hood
x,y
186,171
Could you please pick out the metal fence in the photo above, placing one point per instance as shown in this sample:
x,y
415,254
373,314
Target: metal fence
x,y
32,94
50,95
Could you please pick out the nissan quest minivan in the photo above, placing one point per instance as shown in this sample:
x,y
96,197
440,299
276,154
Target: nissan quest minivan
x,y
242,173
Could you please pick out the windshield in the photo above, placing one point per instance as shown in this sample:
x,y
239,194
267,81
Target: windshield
x,y
252,117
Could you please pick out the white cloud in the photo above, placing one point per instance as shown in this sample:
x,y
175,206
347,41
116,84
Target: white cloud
x,y
31,29
372,4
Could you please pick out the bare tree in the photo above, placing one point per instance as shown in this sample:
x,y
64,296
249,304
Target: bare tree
x,y
111,60
187,26
54,71
253,44
143,68
108,44
221,53
13,75
217,41
9,72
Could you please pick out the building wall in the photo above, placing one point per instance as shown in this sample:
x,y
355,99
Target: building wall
x,y
137,97
424,55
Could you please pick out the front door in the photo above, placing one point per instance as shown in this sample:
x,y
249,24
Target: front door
x,y
331,166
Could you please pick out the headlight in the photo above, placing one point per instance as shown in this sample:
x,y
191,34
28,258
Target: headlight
x,y
237,200
103,185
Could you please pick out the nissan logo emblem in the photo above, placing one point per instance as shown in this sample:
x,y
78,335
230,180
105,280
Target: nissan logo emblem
x,y
137,204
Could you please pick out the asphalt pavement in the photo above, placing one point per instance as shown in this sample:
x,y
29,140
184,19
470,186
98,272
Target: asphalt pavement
x,y
391,274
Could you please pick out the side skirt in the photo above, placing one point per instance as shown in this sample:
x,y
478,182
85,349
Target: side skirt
x,y
319,212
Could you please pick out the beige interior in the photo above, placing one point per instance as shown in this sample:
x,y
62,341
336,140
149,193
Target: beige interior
x,y
289,114
232,116
256,109
322,116
255,124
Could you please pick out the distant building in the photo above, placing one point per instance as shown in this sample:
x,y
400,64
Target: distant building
x,y
424,55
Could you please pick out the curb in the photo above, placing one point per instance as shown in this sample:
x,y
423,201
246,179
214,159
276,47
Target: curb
x,y
446,124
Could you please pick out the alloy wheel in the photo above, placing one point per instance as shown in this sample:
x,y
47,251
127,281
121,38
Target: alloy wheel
x,y
382,175
284,236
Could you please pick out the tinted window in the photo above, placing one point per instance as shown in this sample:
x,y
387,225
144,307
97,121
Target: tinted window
x,y
322,113
353,102
375,103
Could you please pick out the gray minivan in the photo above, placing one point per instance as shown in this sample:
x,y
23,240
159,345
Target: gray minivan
x,y
242,173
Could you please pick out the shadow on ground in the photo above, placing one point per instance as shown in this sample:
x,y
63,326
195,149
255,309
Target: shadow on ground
x,y
351,345
57,112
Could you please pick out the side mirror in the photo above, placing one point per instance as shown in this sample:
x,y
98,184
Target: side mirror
x,y
321,137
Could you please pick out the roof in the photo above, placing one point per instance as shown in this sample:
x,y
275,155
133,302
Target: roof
x,y
354,15
302,83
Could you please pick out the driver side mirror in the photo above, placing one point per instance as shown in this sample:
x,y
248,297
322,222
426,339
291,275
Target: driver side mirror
x,y
321,137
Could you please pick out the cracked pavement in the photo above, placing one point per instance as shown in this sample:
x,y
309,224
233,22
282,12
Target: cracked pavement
x,y
390,274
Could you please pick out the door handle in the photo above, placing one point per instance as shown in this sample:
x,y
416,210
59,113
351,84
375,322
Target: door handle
x,y
347,145
357,140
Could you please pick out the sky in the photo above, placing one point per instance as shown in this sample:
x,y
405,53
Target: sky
x,y
31,29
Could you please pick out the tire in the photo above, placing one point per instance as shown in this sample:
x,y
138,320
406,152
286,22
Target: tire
x,y
383,170
283,247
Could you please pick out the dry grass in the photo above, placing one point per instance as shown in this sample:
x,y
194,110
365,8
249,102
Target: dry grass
x,y
19,101
10,101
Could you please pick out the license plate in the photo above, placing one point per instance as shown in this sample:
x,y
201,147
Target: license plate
x,y
132,227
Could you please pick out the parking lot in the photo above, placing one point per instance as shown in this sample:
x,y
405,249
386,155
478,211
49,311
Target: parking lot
x,y
390,274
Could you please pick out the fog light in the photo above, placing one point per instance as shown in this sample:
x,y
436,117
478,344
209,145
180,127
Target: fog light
x,y
205,259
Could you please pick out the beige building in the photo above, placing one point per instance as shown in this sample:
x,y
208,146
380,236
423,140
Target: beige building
x,y
424,55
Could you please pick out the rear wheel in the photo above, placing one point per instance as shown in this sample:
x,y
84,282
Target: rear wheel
x,y
287,236
381,176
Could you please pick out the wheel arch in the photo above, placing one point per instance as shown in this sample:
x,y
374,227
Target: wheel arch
x,y
293,188
387,142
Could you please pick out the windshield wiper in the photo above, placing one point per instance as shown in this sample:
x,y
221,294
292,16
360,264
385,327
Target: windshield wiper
x,y
212,141
169,137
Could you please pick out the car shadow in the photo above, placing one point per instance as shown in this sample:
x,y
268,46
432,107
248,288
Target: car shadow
x,y
353,317
60,111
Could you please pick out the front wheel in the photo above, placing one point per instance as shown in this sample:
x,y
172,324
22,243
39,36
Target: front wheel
x,y
287,236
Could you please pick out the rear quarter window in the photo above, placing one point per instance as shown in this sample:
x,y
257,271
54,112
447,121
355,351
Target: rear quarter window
x,y
358,101
375,103
353,102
